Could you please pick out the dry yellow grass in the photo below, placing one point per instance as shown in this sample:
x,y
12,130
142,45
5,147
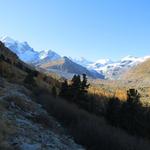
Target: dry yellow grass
x,y
108,92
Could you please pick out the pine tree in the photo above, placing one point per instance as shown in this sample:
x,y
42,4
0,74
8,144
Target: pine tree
x,y
76,83
84,85
54,91
130,110
64,92
75,88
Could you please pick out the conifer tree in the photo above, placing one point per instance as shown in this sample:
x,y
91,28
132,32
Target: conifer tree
x,y
54,91
75,88
130,111
84,85
64,92
76,83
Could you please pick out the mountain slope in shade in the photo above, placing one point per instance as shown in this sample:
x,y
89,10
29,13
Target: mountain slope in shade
x,y
65,65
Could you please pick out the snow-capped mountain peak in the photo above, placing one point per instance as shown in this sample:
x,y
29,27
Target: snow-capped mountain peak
x,y
43,54
129,57
21,46
99,64
22,49
49,54
113,70
81,61
7,39
26,52
134,60
103,61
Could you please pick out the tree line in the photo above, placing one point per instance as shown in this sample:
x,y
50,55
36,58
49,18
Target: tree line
x,y
129,115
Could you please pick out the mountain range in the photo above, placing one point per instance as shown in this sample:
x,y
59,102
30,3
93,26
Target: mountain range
x,y
67,66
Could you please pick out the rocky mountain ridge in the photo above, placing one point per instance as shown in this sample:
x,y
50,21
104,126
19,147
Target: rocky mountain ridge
x,y
42,58
102,68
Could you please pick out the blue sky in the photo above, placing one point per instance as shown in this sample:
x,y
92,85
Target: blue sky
x,y
93,29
